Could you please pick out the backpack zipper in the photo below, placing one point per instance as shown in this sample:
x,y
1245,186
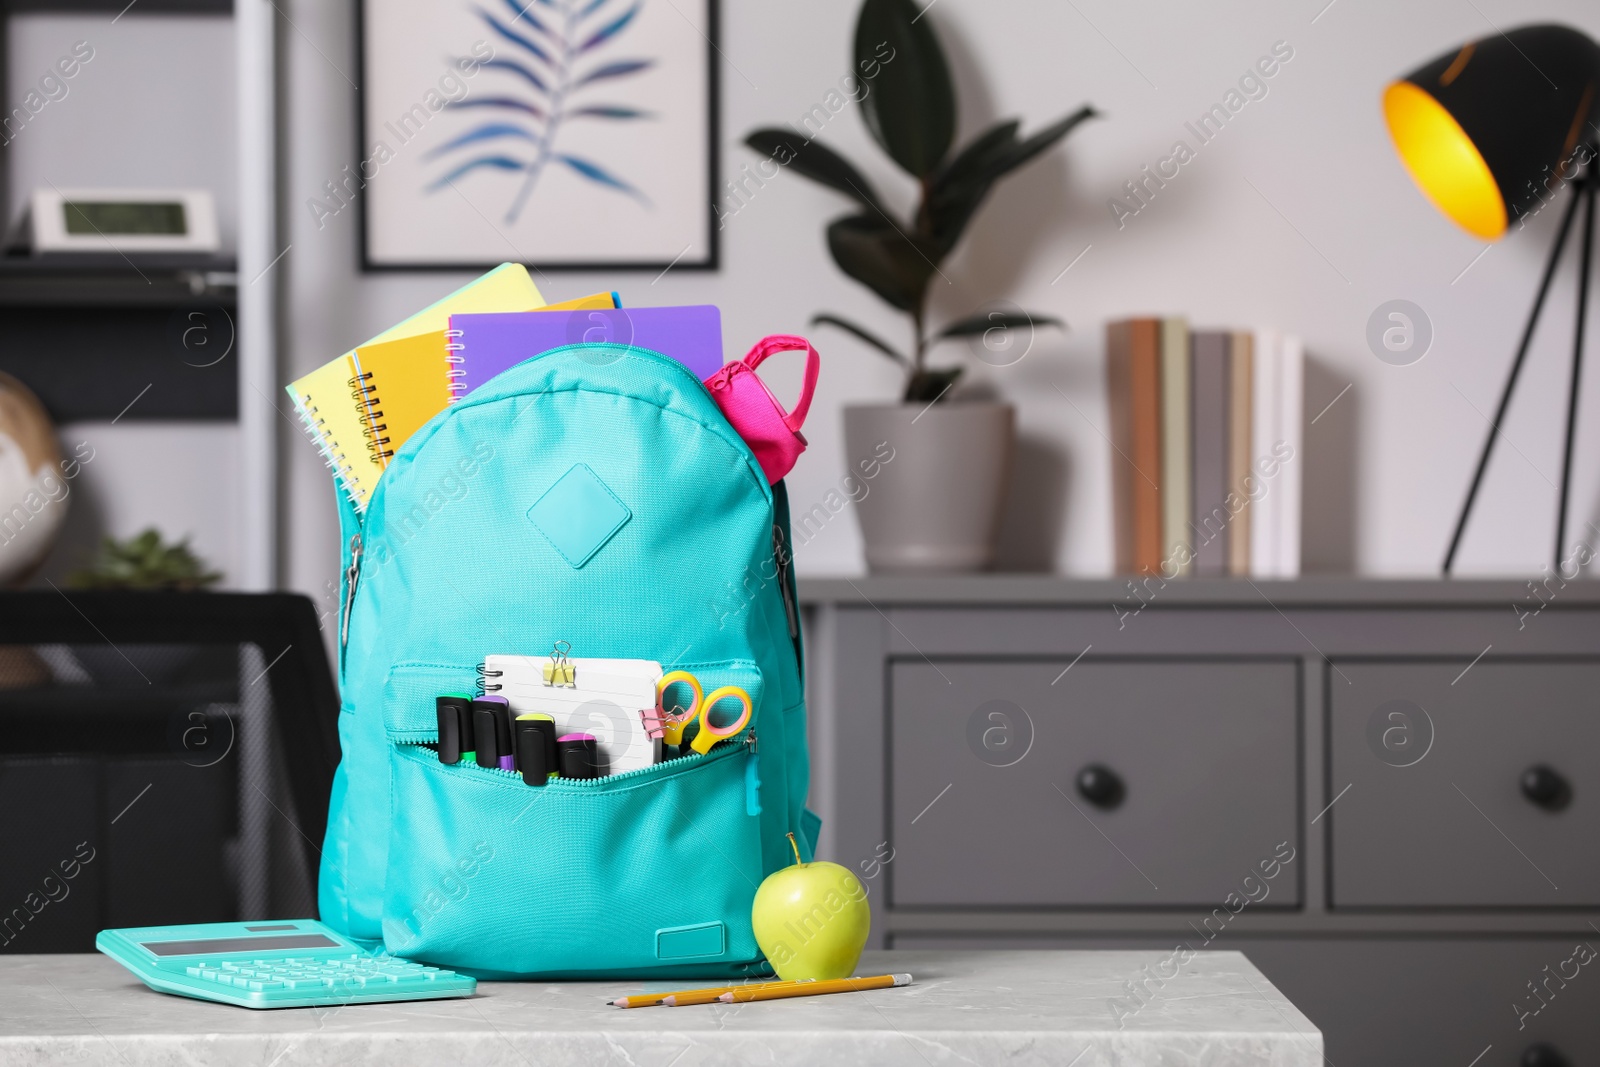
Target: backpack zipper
x,y
679,765
782,562
352,574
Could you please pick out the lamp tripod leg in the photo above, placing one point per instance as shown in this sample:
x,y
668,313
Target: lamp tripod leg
x,y
1516,369
1587,192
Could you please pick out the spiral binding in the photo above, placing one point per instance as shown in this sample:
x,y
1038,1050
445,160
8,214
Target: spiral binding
x,y
316,428
456,387
364,392
375,444
483,673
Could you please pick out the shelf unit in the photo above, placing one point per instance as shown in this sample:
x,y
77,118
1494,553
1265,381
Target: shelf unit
x,y
89,333
161,338
94,334
109,280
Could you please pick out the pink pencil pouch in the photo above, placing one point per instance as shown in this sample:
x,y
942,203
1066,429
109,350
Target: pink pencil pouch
x,y
772,433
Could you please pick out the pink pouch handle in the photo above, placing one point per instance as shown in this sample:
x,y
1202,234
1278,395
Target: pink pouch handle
x,y
782,342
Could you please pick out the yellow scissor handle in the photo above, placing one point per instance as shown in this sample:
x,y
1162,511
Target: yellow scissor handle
x,y
673,725
709,733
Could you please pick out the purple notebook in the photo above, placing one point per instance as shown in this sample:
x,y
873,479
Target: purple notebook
x,y
484,345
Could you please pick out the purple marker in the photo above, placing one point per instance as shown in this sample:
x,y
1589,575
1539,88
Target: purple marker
x,y
491,720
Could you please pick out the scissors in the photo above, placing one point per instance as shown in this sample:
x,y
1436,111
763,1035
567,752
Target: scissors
x,y
675,722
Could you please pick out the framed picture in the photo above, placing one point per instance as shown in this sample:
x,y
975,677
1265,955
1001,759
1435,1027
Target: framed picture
x,y
564,134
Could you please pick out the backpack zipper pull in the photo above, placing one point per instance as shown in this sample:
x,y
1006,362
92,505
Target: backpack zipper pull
x,y
752,778
781,559
352,575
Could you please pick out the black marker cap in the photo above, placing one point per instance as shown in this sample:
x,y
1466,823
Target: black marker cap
x,y
484,735
502,728
455,725
535,747
579,755
546,728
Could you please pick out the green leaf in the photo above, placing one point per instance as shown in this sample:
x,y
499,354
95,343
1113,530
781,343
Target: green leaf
x,y
870,249
982,322
960,186
911,110
933,384
824,319
980,152
1042,140
815,161
960,189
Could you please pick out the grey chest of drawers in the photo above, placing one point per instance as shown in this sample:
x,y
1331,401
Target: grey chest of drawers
x,y
1387,794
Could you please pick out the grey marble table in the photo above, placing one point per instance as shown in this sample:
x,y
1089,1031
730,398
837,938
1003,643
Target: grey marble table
x,y
1045,1007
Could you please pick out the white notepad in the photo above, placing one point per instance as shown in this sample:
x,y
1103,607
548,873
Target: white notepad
x,y
609,699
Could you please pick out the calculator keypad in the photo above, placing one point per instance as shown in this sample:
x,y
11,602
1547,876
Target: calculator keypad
x,y
332,975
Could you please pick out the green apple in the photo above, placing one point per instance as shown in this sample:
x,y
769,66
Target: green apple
x,y
811,920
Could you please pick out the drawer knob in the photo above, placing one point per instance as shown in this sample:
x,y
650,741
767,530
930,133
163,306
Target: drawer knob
x,y
1546,787
1101,786
1542,1055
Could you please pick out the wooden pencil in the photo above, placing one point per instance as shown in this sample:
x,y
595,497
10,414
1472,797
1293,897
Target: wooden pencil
x,y
675,999
812,989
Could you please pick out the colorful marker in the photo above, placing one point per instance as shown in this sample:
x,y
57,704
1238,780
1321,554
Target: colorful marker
x,y
579,756
455,726
536,748
491,732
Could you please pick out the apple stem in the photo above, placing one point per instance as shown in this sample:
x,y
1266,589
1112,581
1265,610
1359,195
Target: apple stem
x,y
795,845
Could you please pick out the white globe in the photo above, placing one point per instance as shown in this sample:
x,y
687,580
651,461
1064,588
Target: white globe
x,y
33,493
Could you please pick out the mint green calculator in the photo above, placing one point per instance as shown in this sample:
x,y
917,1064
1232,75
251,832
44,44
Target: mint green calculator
x,y
296,964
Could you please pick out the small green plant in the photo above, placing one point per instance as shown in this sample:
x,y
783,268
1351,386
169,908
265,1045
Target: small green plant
x,y
143,562
910,110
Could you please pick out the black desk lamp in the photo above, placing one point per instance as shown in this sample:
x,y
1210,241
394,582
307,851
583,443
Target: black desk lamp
x,y
1491,132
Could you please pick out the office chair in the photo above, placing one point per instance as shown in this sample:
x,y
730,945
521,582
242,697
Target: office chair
x,y
164,758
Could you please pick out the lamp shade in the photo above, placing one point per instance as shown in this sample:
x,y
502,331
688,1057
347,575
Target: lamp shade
x,y
1484,130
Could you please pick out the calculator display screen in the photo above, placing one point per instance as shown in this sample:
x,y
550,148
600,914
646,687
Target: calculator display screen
x,y
211,946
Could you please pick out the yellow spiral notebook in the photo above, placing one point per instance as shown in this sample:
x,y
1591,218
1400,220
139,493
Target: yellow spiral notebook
x,y
332,400
360,408
404,382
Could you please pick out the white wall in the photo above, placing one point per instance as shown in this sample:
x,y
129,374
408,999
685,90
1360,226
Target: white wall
x,y
1297,215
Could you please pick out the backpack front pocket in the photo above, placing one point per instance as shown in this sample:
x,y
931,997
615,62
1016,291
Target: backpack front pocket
x,y
649,872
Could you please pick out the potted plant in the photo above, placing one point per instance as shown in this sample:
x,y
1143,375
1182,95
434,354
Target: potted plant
x,y
142,563
937,505
145,562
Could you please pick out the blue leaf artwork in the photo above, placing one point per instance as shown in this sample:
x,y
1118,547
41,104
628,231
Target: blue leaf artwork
x,y
556,55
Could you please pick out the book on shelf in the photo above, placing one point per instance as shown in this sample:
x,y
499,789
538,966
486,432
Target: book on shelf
x,y
1176,444
1291,487
1133,383
1208,372
1207,433
1241,394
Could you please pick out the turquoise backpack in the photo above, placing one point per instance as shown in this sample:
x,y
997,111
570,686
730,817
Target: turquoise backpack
x,y
661,540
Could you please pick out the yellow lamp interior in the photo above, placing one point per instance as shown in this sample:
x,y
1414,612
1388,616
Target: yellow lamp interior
x,y
1443,161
